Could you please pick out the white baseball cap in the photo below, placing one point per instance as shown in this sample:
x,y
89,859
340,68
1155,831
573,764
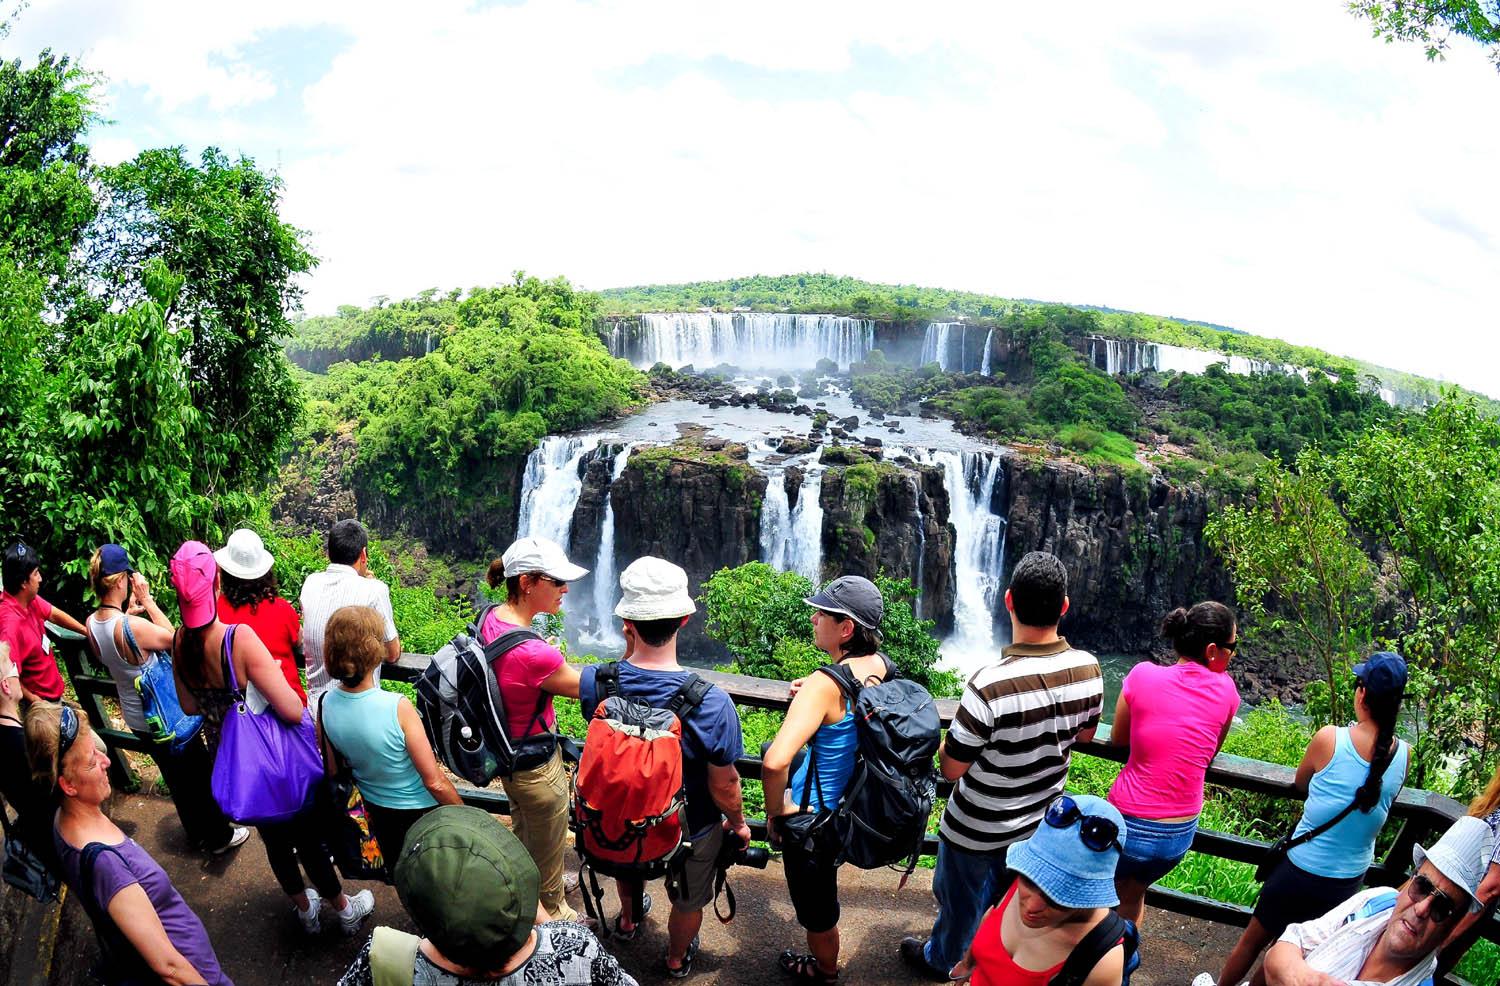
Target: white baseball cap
x,y
1462,855
538,554
245,556
654,589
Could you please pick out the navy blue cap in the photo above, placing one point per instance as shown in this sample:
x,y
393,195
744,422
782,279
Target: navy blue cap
x,y
1383,673
113,560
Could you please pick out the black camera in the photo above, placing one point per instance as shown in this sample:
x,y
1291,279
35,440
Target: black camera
x,y
735,852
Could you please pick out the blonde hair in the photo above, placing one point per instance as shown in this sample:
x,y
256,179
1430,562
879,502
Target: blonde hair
x,y
352,644
103,583
44,738
1489,800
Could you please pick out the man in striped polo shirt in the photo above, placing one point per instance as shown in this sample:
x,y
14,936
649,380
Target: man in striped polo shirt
x,y
1008,750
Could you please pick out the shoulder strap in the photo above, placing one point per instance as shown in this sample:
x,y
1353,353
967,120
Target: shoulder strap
x,y
227,647
844,678
393,957
478,624
689,695
507,642
1090,949
1313,833
339,763
606,681
135,648
891,671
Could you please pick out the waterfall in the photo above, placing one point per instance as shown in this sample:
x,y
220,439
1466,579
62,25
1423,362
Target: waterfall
x,y
972,479
935,343
921,527
760,340
984,367
1138,355
791,538
604,633
550,487
963,344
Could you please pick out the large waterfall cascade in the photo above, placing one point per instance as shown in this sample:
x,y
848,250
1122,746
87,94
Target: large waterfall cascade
x,y
791,537
937,342
984,367
759,340
604,631
551,485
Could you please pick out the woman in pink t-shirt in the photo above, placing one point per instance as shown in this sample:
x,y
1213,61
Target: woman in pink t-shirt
x,y
1174,719
535,573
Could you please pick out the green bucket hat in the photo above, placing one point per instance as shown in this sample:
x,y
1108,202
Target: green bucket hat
x,y
469,885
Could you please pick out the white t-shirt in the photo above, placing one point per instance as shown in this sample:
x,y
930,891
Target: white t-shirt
x,y
323,594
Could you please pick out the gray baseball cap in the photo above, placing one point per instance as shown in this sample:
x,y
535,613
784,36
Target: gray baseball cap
x,y
852,596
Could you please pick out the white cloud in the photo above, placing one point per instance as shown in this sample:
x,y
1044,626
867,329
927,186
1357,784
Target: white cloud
x,y
1265,165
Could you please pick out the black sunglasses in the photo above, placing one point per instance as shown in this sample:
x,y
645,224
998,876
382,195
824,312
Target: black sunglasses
x,y
1440,907
1097,832
1230,646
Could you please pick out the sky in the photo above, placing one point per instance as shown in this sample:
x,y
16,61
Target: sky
x,y
1266,165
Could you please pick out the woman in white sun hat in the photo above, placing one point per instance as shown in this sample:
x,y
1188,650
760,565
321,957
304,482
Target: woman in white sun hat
x,y
248,595
535,573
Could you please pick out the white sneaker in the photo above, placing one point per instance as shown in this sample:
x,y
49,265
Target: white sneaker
x,y
237,836
309,917
360,906
1203,979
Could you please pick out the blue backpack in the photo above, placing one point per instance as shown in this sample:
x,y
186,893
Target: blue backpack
x,y
1113,930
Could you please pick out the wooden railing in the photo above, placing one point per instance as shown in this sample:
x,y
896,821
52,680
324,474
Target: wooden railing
x,y
1418,816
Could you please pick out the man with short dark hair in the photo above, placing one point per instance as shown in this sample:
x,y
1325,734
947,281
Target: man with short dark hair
x,y
654,605
23,613
345,582
1008,750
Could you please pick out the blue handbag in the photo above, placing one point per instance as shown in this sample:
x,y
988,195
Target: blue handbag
x,y
157,687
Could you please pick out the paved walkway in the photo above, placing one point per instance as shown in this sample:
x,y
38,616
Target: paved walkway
x,y
259,942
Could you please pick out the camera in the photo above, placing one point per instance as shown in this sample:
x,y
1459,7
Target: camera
x,y
736,852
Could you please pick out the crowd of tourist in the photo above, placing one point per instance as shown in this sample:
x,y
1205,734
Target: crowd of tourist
x,y
1033,885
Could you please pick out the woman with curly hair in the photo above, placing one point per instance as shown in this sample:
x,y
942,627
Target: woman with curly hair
x,y
249,596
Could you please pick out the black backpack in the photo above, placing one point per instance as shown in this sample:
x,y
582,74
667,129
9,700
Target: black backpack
x,y
882,815
1095,945
463,712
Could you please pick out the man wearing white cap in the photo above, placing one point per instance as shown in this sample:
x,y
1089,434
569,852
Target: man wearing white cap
x,y
654,605
1384,936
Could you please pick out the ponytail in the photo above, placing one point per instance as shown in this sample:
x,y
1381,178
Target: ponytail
x,y
1383,709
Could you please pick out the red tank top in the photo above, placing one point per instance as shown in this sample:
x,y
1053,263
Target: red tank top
x,y
993,965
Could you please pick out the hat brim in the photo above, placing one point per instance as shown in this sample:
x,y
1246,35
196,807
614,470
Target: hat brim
x,y
667,609
228,566
1419,856
1060,886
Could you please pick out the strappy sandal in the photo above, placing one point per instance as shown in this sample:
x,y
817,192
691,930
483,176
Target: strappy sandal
x,y
622,935
686,969
804,968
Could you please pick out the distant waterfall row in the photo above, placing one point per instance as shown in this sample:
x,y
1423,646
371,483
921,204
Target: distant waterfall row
x,y
947,344
1117,356
753,340
791,534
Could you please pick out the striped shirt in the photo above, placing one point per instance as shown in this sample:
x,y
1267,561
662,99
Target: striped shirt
x,y
1016,726
323,594
1339,942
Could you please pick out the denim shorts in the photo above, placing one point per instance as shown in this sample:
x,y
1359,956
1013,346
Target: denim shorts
x,y
1152,848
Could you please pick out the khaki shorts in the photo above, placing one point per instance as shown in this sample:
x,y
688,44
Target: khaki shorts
x,y
695,890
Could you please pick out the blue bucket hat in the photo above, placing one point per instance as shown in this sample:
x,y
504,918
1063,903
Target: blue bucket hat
x,y
1070,873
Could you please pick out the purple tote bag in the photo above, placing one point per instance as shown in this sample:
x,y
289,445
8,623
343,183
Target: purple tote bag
x,y
265,771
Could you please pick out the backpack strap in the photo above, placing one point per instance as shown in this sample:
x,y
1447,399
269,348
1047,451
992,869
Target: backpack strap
x,y
478,623
1086,954
393,957
689,695
849,686
606,681
504,644
117,950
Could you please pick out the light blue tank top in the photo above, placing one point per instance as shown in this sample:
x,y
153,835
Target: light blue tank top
x,y
834,746
1347,849
364,728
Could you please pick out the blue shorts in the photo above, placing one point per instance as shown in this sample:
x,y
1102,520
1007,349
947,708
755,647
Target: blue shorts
x,y
1152,848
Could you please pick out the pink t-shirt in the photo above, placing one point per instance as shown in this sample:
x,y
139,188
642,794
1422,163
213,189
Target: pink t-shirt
x,y
1177,714
520,674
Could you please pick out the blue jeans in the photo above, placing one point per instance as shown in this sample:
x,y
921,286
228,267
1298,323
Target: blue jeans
x,y
966,884
1153,848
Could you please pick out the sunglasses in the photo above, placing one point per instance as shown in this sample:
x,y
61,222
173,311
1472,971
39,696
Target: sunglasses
x,y
1231,646
550,579
67,731
1097,832
1440,907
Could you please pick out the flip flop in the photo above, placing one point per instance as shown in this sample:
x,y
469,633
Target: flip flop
x,y
804,968
686,969
622,935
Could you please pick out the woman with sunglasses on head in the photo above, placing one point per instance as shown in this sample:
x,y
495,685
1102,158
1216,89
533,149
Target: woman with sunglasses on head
x,y
535,573
147,933
817,745
205,687
1064,888
1351,774
121,592
1174,718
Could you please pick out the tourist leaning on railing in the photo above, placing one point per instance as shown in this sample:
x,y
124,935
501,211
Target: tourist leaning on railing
x,y
1363,765
187,770
1174,719
204,686
146,931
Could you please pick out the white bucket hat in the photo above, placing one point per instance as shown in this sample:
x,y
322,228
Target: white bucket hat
x,y
245,556
1462,855
654,589
536,554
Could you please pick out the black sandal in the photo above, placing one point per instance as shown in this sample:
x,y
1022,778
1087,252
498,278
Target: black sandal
x,y
621,935
686,969
803,967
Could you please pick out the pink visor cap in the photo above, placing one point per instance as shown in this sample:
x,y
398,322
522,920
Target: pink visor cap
x,y
193,573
